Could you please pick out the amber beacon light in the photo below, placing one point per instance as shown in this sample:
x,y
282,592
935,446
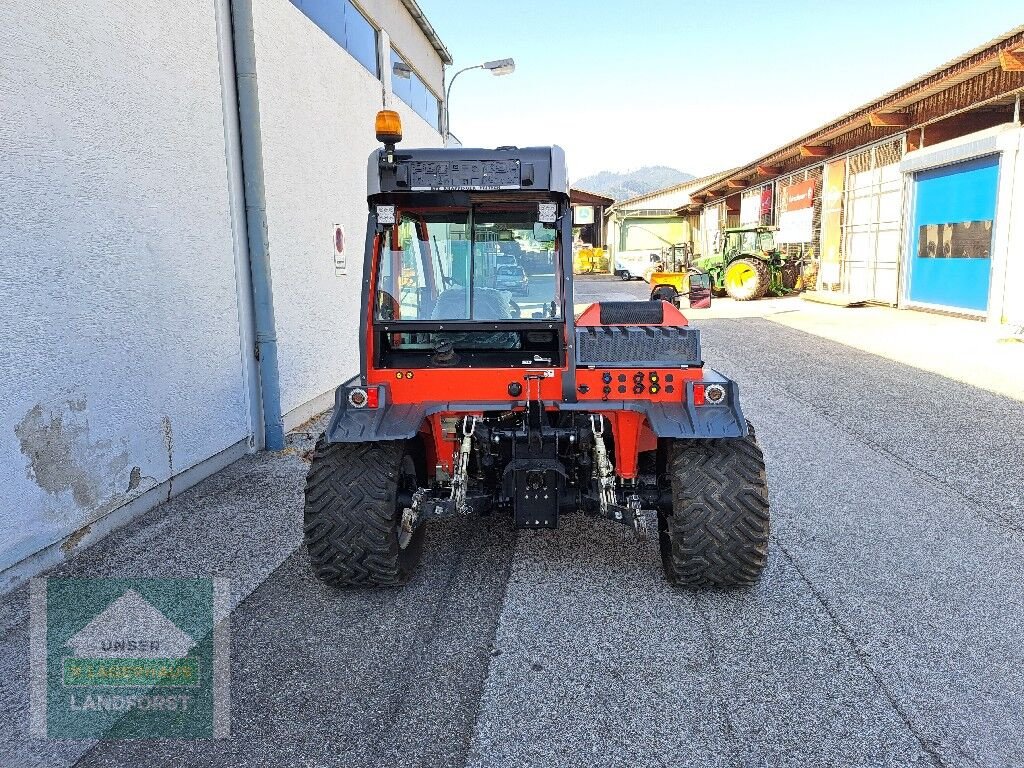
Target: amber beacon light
x,y
388,126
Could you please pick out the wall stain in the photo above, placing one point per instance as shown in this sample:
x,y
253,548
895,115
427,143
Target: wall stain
x,y
62,457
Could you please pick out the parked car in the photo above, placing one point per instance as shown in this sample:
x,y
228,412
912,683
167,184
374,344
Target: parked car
x,y
507,260
637,265
513,279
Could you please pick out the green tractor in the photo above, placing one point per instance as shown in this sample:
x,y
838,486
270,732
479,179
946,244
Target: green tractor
x,y
746,264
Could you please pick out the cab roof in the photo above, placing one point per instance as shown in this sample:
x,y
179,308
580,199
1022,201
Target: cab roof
x,y
433,169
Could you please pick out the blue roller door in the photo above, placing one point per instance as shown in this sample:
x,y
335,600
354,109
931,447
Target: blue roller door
x,y
951,250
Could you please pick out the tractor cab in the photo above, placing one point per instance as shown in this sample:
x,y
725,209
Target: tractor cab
x,y
442,280
736,241
446,231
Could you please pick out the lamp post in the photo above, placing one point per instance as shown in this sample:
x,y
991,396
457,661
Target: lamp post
x,y
497,68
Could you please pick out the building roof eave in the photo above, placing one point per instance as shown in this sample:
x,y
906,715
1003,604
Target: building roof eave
x,y
963,67
428,29
694,183
587,197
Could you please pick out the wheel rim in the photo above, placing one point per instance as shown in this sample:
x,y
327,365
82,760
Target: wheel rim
x,y
741,278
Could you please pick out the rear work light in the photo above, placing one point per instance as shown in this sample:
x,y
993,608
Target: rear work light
x,y
364,398
708,394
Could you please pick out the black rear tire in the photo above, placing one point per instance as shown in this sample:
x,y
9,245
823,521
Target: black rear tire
x,y
664,293
353,513
790,275
716,534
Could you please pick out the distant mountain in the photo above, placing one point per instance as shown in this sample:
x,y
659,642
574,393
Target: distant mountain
x,y
623,186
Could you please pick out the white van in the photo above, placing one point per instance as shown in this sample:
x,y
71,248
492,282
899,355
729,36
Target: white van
x,y
637,265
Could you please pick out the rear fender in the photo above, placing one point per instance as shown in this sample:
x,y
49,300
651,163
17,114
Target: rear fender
x,y
675,420
389,421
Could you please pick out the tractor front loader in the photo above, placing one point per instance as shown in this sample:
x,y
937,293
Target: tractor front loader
x,y
468,403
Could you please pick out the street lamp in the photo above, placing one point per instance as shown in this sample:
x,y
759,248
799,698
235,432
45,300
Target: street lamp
x,y
498,67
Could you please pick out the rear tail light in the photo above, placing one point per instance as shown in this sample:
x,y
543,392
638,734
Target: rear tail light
x,y
364,398
709,394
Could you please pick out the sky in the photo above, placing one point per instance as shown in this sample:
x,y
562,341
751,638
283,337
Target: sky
x,y
699,86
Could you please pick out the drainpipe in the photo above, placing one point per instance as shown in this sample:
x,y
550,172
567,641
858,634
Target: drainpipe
x,y
256,221
239,241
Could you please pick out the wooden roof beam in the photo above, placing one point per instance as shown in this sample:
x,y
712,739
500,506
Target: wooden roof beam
x,y
814,150
767,171
889,119
737,183
1012,61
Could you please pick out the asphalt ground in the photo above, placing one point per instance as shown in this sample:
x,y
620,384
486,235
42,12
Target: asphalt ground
x,y
887,629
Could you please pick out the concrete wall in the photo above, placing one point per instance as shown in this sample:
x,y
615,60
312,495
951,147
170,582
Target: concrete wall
x,y
128,370
122,361
317,106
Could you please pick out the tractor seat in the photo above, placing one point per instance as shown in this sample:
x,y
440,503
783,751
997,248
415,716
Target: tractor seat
x,y
488,304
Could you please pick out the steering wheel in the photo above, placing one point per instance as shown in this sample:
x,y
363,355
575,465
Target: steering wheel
x,y
516,311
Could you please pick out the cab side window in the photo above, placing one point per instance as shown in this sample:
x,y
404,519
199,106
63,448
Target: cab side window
x,y
399,294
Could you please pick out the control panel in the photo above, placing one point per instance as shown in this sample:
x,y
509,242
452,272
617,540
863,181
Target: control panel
x,y
656,384
426,175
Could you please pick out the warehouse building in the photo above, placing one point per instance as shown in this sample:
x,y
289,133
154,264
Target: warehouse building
x,y
913,200
182,229
651,227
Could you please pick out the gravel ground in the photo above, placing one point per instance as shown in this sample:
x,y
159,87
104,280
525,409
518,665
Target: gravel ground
x,y
886,630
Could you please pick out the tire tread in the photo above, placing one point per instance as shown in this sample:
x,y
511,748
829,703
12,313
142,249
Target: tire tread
x,y
350,518
717,532
763,278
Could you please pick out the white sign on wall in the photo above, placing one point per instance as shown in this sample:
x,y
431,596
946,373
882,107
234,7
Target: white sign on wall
x,y
710,223
796,226
583,214
340,260
796,218
750,208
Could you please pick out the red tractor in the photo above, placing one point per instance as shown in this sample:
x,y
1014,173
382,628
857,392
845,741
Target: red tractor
x,y
471,403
